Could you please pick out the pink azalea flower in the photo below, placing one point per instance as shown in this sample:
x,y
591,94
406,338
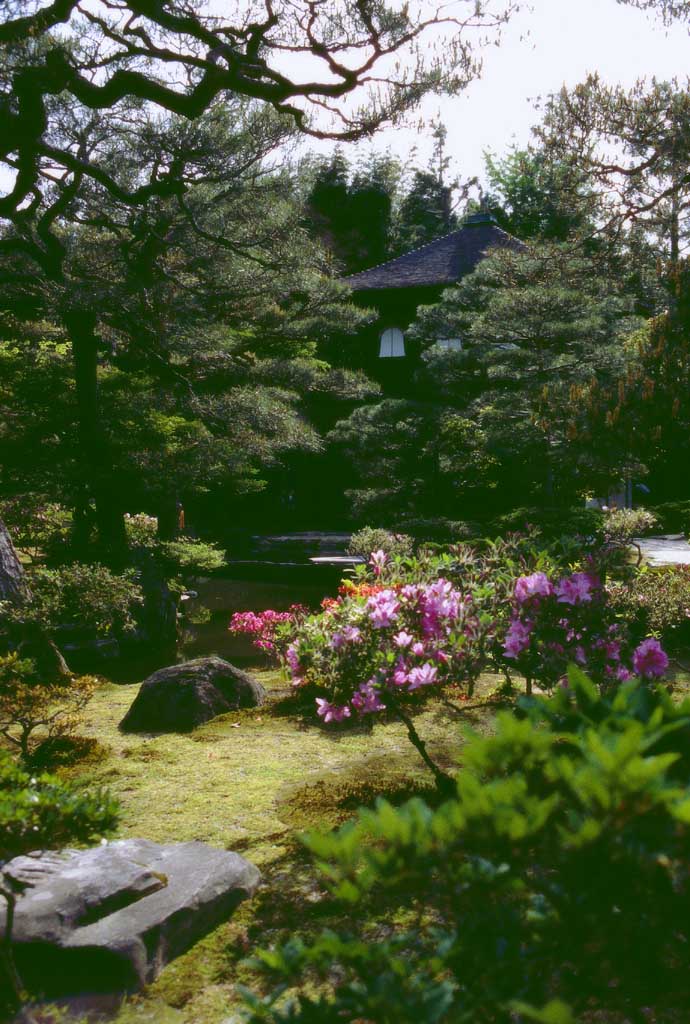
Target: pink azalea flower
x,y
649,658
536,585
331,712
424,675
347,635
400,673
575,589
403,639
367,700
517,638
377,561
384,608
418,649
292,658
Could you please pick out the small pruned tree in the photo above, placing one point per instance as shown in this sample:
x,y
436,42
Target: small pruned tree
x,y
34,711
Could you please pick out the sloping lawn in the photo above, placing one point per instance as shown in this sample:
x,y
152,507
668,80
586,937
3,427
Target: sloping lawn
x,y
250,782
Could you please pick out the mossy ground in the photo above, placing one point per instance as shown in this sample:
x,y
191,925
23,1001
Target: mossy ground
x,y
251,782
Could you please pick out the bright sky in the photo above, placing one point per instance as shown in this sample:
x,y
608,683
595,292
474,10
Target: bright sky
x,y
566,40
549,43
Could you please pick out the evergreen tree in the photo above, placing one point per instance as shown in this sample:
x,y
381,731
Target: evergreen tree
x,y
537,324
533,198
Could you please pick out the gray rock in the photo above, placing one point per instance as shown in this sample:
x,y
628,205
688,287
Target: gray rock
x,y
178,698
109,919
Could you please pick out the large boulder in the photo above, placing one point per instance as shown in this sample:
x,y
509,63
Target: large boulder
x,y
178,698
109,919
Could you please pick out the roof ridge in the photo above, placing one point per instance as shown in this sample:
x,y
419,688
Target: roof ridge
x,y
411,252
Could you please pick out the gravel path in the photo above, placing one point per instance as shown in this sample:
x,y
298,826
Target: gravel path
x,y
667,549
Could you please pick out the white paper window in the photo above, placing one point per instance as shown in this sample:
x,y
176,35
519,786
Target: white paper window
x,y
450,344
392,343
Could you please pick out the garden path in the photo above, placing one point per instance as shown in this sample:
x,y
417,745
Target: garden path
x,y
665,549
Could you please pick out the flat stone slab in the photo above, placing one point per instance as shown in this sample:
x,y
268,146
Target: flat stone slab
x,y
347,561
666,549
110,918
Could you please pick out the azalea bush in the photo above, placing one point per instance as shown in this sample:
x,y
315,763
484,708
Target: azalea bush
x,y
395,643
570,619
270,630
555,876
33,710
379,649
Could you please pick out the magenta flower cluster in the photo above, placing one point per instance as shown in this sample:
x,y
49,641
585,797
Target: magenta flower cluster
x,y
366,653
556,622
265,627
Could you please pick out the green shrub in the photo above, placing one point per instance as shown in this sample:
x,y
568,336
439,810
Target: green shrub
x,y
621,525
44,813
557,872
90,597
370,539
441,531
141,530
550,522
673,516
33,711
193,557
39,527
654,600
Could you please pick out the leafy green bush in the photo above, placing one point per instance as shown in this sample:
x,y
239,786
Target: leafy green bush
x,y
39,527
373,539
551,522
141,530
557,872
193,557
654,600
440,530
44,813
621,525
88,596
33,711
40,813
673,516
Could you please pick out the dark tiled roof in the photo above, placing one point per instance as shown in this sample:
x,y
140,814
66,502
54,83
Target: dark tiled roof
x,y
441,262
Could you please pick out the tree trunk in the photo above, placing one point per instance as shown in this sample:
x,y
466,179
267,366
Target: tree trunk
x,y
32,641
168,514
13,585
97,466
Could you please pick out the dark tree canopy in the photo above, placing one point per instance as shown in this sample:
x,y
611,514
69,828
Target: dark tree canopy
x,y
670,10
632,147
128,57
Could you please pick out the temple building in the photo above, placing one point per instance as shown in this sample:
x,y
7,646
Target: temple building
x,y
396,288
